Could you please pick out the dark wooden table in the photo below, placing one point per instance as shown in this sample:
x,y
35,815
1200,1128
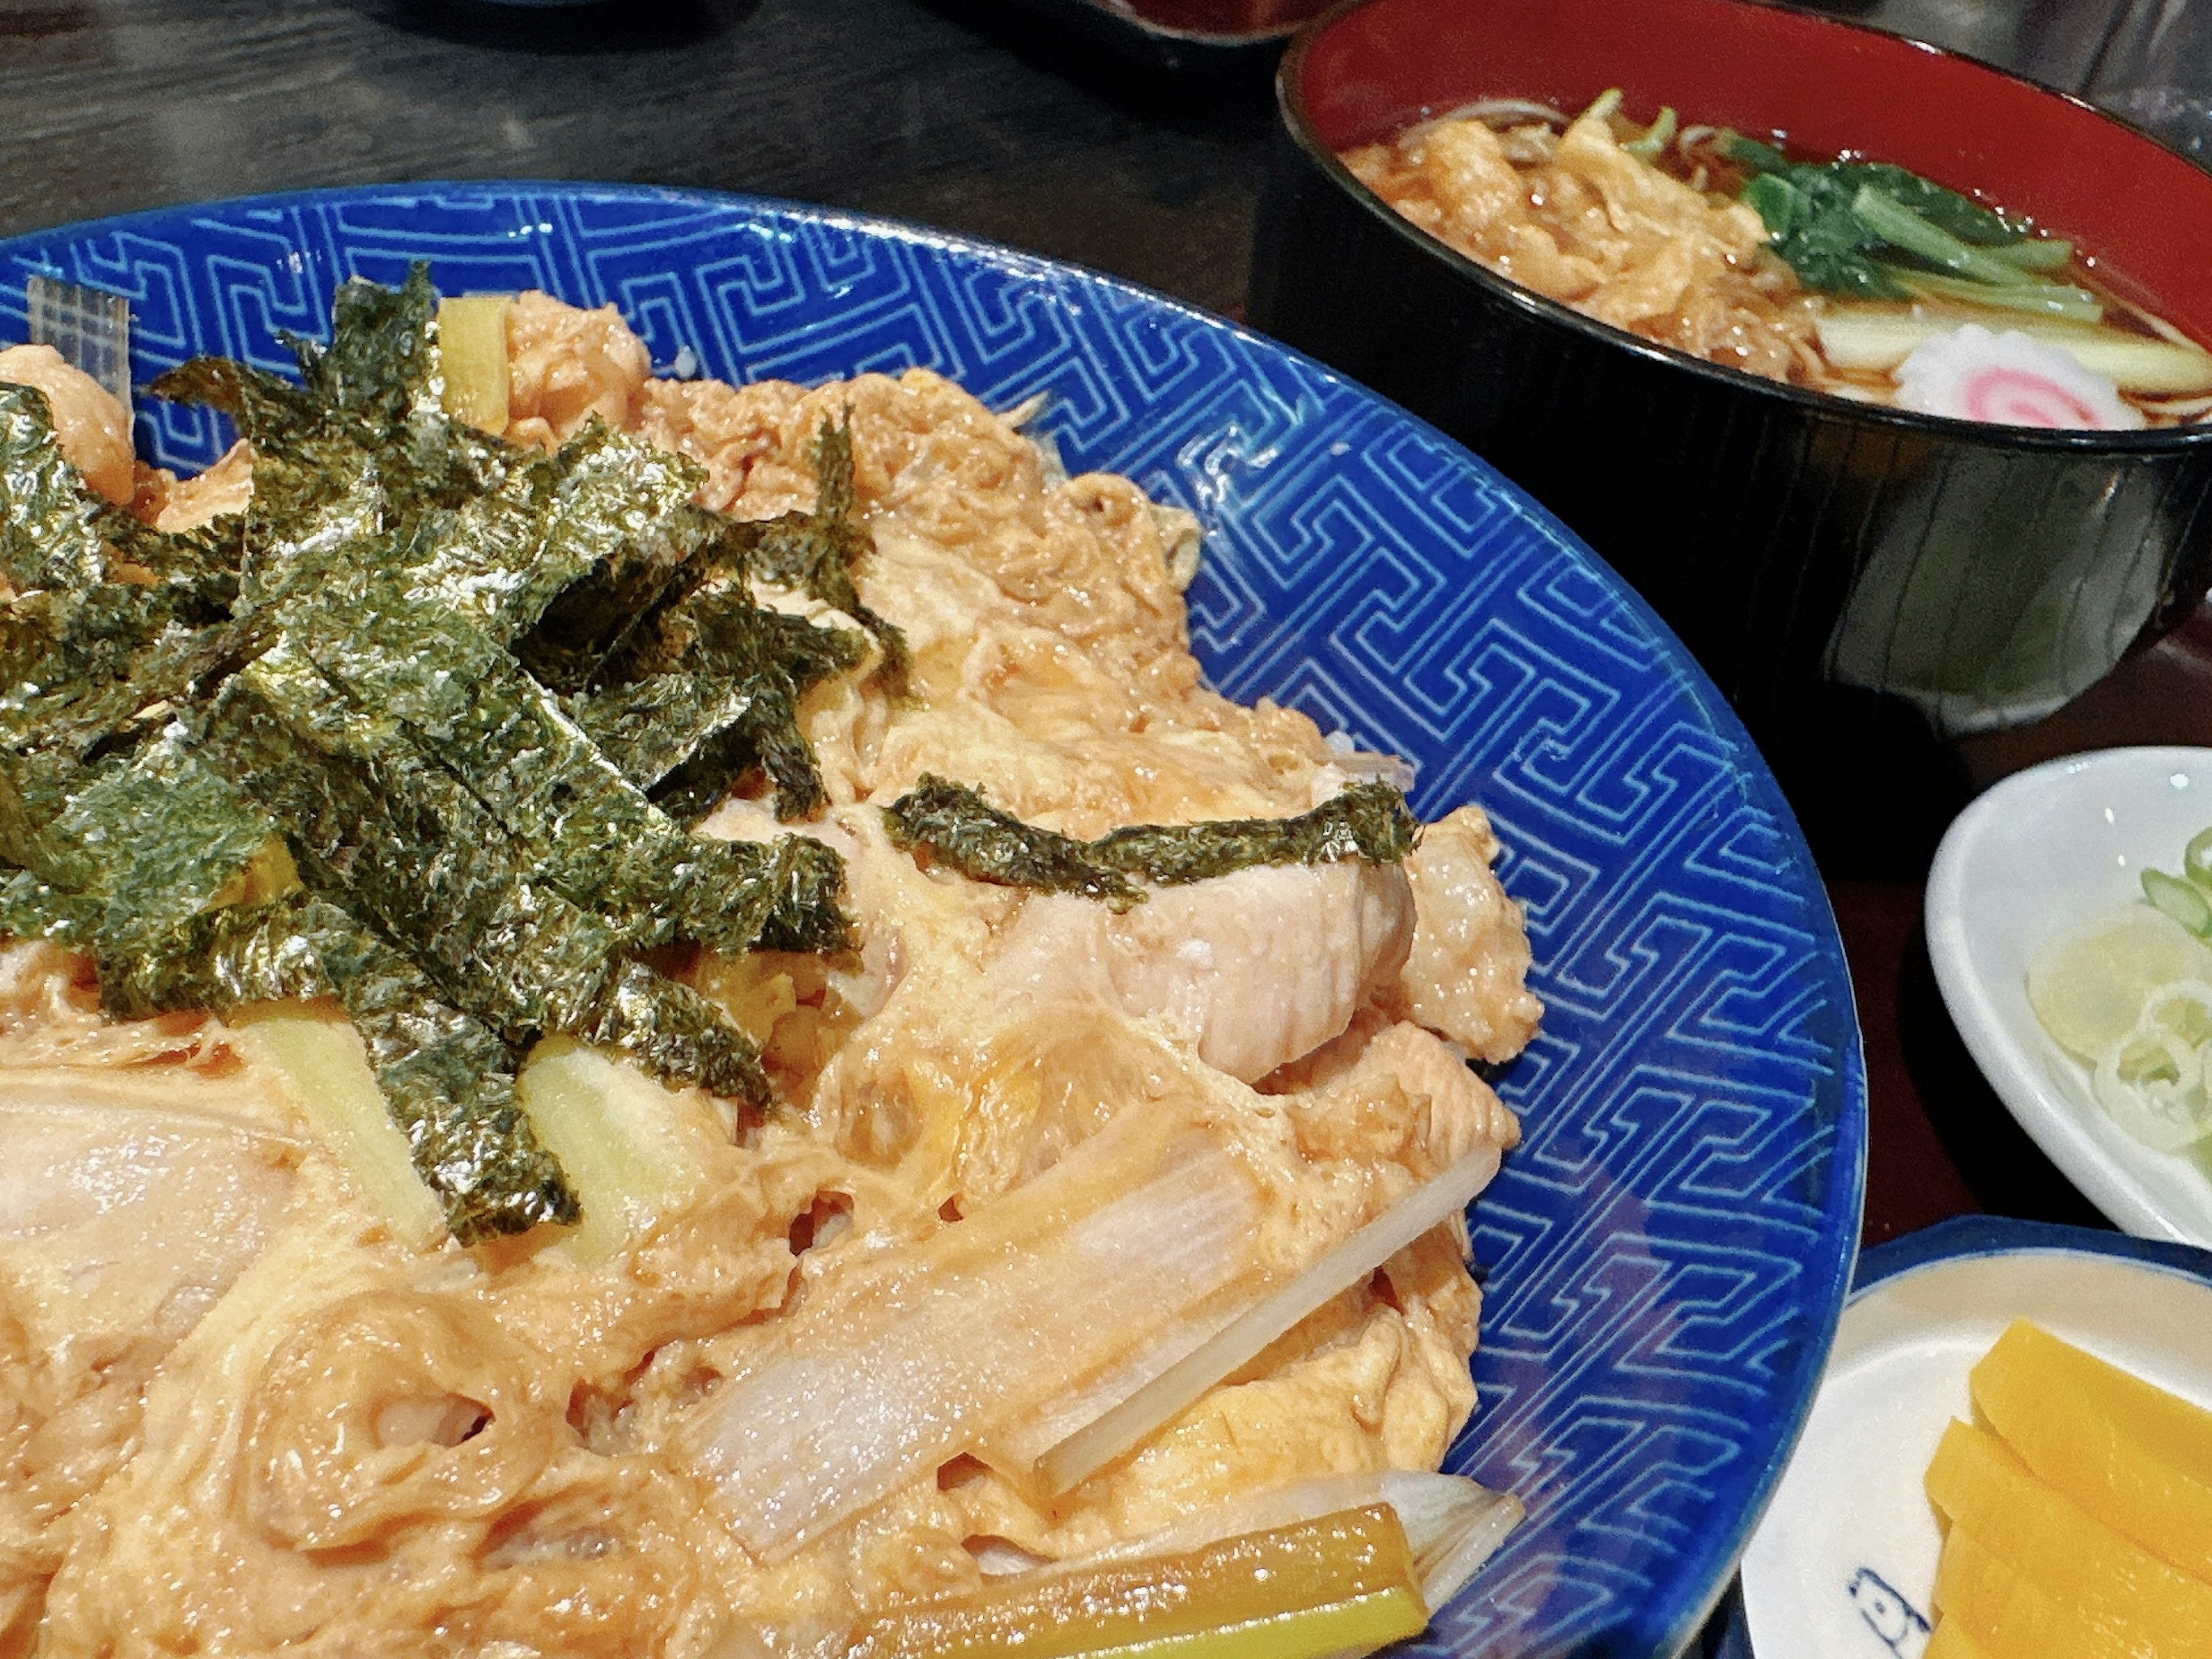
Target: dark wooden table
x,y
978,117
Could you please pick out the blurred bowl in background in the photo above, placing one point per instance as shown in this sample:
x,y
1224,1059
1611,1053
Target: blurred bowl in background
x,y
1846,573
1194,39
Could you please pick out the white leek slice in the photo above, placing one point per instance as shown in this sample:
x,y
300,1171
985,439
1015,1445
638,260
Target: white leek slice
x,y
1146,1401
1853,338
616,1133
1453,1525
896,1364
318,1058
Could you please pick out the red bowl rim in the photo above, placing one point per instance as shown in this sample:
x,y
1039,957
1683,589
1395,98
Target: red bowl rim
x,y
1290,101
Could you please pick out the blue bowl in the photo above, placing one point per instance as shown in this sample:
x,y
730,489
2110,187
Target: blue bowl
x,y
1667,1252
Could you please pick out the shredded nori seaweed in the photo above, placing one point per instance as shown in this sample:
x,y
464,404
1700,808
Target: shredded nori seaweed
x,y
961,829
818,551
477,692
730,705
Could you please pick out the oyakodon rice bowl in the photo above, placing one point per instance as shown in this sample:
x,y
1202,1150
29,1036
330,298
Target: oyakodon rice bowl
x,y
1085,1125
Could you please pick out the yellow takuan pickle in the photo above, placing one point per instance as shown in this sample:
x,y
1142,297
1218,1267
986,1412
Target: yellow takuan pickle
x,y
2133,1455
472,358
2074,1560
1343,1584
2007,1613
1950,1641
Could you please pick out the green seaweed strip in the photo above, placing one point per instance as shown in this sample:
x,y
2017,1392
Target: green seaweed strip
x,y
592,834
545,536
223,959
620,529
270,412
447,1079
818,551
339,663
964,831
376,827
729,705
676,1033
380,355
148,845
1366,821
805,880
49,519
372,817
119,713
450,1083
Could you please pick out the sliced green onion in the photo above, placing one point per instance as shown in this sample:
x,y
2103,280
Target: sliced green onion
x,y
2180,900
2197,859
1750,153
1900,226
1661,135
1602,107
2036,299
2035,252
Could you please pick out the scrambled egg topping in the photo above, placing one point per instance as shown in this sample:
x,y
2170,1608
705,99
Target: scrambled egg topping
x,y
240,1414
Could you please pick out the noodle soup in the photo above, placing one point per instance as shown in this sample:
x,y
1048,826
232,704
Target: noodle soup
x,y
1856,279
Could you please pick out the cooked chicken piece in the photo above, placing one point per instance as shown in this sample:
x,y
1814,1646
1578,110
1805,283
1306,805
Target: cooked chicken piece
x,y
1393,1093
169,505
565,366
130,1201
1470,952
1252,969
92,429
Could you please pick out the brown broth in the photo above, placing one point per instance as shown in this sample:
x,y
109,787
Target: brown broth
x,y
1719,180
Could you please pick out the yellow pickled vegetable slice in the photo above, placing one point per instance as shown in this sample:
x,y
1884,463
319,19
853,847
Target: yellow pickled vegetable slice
x,y
2070,1556
472,358
2088,990
1949,1640
1342,1585
2133,1455
2006,1612
324,1066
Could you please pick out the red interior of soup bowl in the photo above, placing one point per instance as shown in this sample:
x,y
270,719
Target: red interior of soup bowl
x,y
2143,212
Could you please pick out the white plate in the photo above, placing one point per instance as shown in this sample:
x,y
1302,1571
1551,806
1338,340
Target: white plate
x,y
2038,854
1843,1565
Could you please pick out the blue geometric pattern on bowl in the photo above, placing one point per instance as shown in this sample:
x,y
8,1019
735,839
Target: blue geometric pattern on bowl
x,y
1667,1250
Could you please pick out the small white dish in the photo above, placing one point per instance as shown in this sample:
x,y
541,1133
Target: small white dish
x,y
2038,854
1844,1563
